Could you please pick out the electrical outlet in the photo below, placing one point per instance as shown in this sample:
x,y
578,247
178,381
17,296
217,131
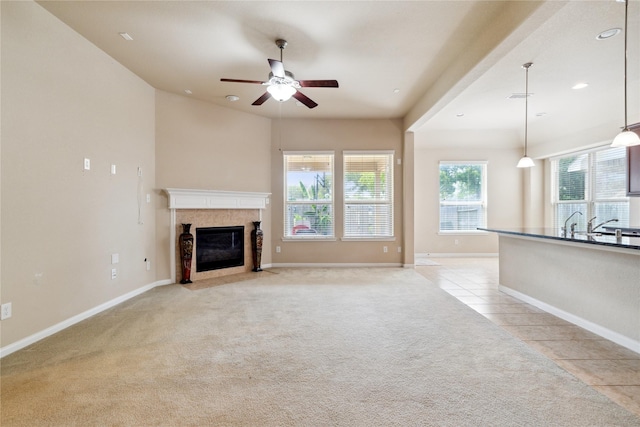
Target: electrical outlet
x,y
148,265
5,311
114,273
87,164
277,249
385,249
456,241
399,249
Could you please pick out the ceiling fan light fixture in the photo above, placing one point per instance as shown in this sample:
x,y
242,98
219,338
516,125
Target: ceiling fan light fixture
x,y
281,92
626,138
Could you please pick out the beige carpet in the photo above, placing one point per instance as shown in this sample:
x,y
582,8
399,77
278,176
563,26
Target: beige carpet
x,y
303,347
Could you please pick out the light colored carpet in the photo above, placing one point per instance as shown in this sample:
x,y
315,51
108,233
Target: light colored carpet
x,y
303,347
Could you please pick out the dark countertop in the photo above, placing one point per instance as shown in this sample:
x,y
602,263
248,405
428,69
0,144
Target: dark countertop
x,y
627,242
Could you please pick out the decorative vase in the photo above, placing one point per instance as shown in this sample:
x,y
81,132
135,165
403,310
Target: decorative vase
x,y
256,245
186,252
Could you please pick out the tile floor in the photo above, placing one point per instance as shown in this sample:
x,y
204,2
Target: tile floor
x,y
607,367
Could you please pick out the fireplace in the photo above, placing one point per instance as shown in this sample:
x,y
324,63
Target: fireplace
x,y
211,208
219,247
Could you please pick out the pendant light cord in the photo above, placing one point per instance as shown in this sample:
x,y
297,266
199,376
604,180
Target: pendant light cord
x,y
526,104
526,107
626,24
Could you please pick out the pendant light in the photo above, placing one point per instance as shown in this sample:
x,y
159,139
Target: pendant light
x,y
626,138
526,161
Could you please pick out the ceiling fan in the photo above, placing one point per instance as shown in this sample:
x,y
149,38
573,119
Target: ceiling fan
x,y
282,85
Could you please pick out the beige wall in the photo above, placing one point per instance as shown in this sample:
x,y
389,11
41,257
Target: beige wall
x,y
505,202
336,135
63,100
207,147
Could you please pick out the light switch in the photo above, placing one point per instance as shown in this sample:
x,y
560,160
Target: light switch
x,y
148,198
115,258
113,169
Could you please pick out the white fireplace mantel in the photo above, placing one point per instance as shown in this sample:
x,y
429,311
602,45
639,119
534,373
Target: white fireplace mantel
x,y
180,198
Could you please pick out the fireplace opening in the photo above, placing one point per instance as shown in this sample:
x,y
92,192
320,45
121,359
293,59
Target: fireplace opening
x,y
219,247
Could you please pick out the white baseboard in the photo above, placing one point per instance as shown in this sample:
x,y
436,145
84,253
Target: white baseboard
x,y
617,338
455,255
336,265
18,345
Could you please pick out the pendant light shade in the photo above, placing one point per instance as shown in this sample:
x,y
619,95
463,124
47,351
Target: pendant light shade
x,y
526,161
626,138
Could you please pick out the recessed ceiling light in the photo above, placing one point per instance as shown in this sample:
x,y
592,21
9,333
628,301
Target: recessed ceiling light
x,y
126,36
541,114
232,98
188,92
396,90
580,85
607,34
519,95
460,115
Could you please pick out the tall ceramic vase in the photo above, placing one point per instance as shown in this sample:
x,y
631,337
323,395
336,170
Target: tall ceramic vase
x,y
186,252
256,245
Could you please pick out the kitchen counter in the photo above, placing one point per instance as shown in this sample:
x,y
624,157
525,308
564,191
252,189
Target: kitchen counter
x,y
591,281
607,239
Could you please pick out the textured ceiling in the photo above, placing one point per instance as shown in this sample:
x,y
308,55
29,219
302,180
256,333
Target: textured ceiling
x,y
446,58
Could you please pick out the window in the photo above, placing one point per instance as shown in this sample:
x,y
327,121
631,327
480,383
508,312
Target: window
x,y
308,181
463,196
368,194
592,183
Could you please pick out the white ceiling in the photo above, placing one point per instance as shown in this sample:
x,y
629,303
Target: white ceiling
x,y
445,57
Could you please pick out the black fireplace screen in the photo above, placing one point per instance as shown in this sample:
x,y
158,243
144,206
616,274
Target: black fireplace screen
x,y
219,247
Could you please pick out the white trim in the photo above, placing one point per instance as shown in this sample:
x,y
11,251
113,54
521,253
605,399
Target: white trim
x,y
336,265
310,153
624,341
180,198
18,345
310,238
367,152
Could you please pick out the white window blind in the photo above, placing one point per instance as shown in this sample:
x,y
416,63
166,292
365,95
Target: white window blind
x,y
368,194
308,181
592,183
463,196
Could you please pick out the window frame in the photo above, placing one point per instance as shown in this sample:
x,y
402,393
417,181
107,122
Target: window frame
x,y
327,202
483,202
590,192
388,201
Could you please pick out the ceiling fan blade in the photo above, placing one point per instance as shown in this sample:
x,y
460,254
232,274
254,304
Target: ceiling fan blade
x,y
277,68
304,99
258,82
262,99
318,83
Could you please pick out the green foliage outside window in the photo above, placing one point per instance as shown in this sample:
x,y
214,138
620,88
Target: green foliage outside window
x,y
460,182
571,183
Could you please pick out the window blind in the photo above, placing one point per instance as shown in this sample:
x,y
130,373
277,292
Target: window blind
x,y
368,194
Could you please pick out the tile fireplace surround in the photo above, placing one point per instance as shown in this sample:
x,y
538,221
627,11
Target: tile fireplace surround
x,y
210,208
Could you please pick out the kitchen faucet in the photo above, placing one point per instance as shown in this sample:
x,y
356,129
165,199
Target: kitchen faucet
x,y
564,229
591,229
